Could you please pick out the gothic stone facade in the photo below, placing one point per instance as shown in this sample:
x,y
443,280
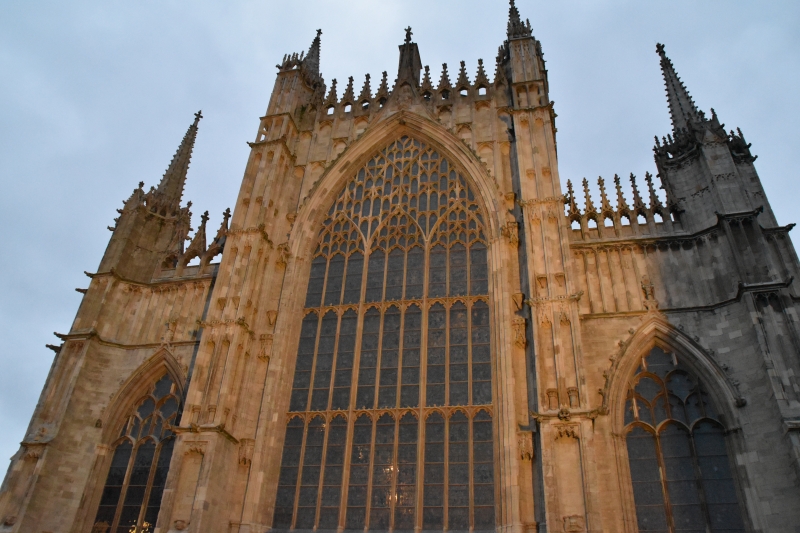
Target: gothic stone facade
x,y
413,326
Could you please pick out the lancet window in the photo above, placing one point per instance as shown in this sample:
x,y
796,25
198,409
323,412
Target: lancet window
x,y
680,468
131,496
390,423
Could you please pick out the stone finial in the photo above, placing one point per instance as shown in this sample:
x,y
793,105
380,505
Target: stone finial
x,y
426,80
654,201
588,197
444,81
463,79
480,78
167,196
348,97
332,98
638,204
383,89
605,205
366,91
622,205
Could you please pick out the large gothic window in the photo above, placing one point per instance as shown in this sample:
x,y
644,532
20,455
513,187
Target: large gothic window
x,y
680,469
132,494
390,423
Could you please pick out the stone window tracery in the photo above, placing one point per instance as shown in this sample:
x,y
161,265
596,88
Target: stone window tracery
x,y
680,470
390,422
131,496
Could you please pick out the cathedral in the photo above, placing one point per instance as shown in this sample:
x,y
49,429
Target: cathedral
x,y
408,322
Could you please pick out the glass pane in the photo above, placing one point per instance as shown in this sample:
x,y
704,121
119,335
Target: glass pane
x,y
406,473
309,476
433,501
382,474
437,272
324,362
478,269
316,281
352,287
646,478
375,276
415,273
717,477
333,288
305,362
481,358
287,481
332,484
681,480
390,344
483,471
412,333
359,473
437,343
458,473
458,270
458,355
369,360
344,361
394,275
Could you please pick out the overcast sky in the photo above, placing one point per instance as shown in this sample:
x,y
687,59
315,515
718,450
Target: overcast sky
x,y
95,97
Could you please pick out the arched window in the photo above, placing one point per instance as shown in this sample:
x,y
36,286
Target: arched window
x,y
390,423
680,469
132,494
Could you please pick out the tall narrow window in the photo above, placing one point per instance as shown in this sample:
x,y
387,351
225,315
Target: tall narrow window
x,y
680,469
135,482
390,423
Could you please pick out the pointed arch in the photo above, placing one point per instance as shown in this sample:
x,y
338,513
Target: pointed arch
x,y
137,386
673,412
656,331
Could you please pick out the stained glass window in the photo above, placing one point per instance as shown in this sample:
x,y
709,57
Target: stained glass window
x,y
135,482
390,422
680,470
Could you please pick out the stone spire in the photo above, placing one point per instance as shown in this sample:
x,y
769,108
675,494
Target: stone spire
x,y
681,106
170,190
310,64
516,28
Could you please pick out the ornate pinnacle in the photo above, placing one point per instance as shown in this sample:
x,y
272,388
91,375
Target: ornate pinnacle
x,y
516,28
366,91
569,199
426,80
332,98
409,33
605,206
654,201
481,78
347,97
463,79
638,204
383,89
444,81
622,205
588,197
681,106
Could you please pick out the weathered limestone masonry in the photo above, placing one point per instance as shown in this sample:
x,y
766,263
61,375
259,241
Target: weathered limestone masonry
x,y
172,403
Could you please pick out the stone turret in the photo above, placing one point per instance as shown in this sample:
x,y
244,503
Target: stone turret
x,y
152,226
706,171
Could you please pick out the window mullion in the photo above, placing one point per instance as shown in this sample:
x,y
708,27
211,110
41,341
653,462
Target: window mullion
x,y
446,480
334,360
348,452
300,463
369,479
698,475
662,469
313,375
400,337
124,491
323,460
149,486
471,466
395,469
379,360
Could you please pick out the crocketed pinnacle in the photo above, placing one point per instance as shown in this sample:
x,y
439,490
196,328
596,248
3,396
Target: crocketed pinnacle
x,y
170,189
311,62
681,106
516,28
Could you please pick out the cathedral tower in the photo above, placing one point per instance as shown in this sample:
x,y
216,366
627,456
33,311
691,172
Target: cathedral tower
x,y
414,326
